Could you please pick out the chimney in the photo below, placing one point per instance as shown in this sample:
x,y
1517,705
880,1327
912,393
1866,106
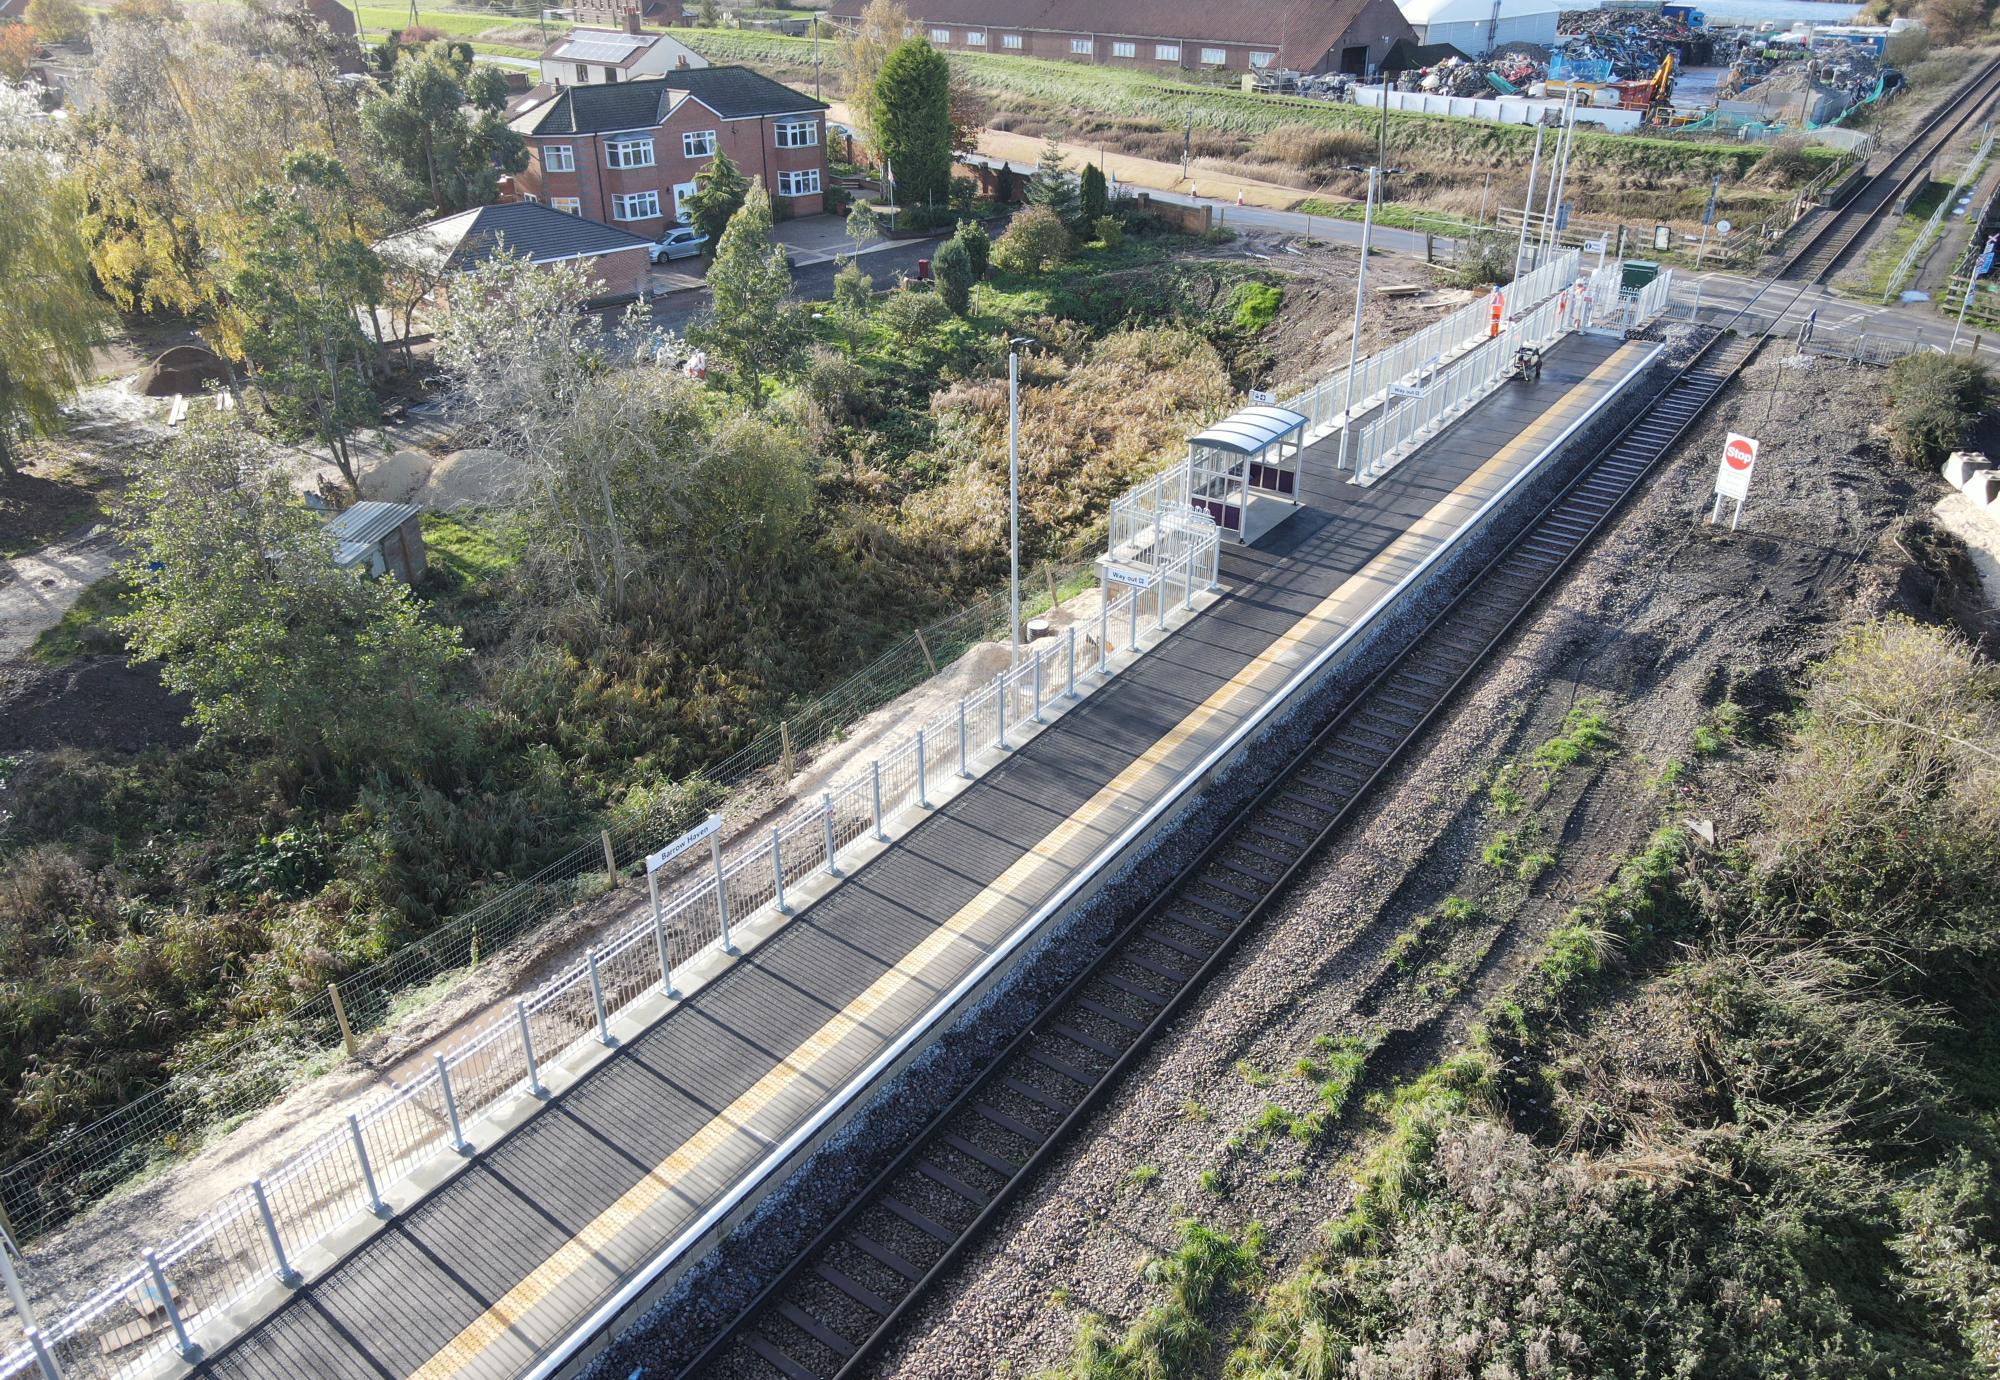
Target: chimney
x,y
632,21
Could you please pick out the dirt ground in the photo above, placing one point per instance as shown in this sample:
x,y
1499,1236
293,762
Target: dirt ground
x,y
1666,618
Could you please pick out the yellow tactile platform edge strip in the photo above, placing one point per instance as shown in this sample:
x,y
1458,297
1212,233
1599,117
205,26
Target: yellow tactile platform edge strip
x,y
598,1234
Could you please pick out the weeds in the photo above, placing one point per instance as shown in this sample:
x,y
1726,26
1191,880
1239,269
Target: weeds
x,y
1140,1177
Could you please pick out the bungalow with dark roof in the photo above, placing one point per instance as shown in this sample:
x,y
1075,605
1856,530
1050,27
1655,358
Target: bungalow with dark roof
x,y
1351,36
615,257
627,153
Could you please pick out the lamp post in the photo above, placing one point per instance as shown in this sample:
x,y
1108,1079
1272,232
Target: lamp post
x,y
1528,202
1360,291
1014,493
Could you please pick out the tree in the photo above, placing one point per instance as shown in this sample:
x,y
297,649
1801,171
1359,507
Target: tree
x,y
954,276
17,51
864,227
57,21
1093,197
978,246
1054,185
709,16
236,594
1951,21
1035,241
304,277
751,323
853,303
52,313
442,126
884,25
910,111
719,190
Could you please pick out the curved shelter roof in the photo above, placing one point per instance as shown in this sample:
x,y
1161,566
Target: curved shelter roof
x,y
1252,430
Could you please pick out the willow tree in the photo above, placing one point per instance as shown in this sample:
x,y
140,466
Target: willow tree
x,y
52,313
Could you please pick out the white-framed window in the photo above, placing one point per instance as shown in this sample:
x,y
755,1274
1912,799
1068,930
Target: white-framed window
x,y
1124,50
1081,45
531,198
1010,40
628,153
583,73
698,143
803,183
568,204
1262,59
558,158
1215,57
798,134
975,38
1166,52
940,35
635,206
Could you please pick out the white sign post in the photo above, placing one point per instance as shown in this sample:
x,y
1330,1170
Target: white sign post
x,y
1732,476
711,830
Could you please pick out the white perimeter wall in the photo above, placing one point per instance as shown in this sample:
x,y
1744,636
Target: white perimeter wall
x,y
1511,110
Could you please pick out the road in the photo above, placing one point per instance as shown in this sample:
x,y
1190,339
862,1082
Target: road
x,y
1720,295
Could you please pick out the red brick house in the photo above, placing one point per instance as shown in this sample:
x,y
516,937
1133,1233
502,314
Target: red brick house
x,y
626,154
1351,36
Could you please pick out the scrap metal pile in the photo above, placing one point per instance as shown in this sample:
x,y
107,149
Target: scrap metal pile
x,y
1632,43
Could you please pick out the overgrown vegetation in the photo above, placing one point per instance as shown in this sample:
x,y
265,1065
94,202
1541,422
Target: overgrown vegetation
x,y
1766,1148
1934,401
665,567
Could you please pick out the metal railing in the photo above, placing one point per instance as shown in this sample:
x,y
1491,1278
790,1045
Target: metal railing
x,y
1392,437
1327,405
256,1234
1921,244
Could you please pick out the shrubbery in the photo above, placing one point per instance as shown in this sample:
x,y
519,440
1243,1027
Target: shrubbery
x,y
1934,400
1035,242
1766,1150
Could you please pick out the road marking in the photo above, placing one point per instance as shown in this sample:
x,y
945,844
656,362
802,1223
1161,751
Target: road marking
x,y
588,1246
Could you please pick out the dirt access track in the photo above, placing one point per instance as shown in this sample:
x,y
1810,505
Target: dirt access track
x,y
1664,619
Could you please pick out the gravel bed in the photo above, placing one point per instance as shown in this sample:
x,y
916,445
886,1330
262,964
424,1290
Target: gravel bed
x,y
1291,981
1663,619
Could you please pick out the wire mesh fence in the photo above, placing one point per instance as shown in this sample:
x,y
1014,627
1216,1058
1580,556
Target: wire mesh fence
x,y
138,1320
41,1191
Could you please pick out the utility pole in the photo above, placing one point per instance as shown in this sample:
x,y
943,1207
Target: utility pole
x,y
1354,344
1528,202
815,22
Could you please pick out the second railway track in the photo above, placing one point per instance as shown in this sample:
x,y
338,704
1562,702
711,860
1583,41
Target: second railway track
x,y
825,1316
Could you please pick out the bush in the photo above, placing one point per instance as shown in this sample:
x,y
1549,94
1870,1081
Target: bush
x,y
1786,165
913,316
1036,242
953,266
1110,232
978,245
1933,402
1095,196
1906,49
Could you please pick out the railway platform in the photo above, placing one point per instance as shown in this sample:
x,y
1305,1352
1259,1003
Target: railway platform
x,y
568,1226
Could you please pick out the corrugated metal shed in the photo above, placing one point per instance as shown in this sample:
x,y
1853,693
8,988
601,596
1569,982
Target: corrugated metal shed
x,y
361,528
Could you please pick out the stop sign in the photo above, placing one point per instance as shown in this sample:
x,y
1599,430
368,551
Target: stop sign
x,y
1732,476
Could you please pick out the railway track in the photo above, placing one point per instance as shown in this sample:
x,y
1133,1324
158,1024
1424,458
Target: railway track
x,y
1824,253
825,1316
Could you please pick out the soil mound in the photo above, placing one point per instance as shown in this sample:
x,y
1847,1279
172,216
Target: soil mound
x,y
182,369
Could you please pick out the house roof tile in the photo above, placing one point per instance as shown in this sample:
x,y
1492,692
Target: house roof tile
x,y
734,93
527,228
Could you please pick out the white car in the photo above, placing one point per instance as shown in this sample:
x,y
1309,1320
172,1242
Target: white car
x,y
683,243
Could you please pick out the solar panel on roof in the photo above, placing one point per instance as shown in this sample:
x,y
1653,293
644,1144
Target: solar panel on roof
x,y
599,49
